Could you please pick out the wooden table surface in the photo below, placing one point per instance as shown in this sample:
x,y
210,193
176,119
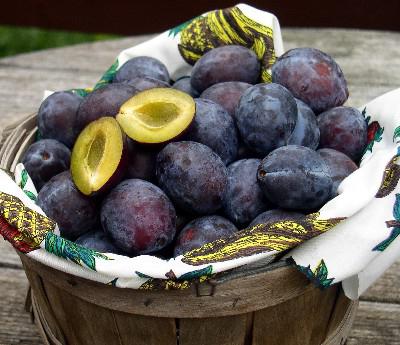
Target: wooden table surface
x,y
371,63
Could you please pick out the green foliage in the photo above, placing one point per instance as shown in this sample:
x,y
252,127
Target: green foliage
x,y
319,275
108,76
81,92
385,243
16,40
142,275
395,231
396,135
74,252
30,195
24,178
206,271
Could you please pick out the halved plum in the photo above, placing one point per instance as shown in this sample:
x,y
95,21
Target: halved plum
x,y
97,160
156,115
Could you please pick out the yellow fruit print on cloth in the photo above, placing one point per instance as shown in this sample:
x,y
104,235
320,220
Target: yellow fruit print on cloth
x,y
276,236
31,226
226,27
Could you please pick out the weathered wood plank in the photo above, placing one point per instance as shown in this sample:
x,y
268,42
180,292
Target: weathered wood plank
x,y
307,316
76,57
8,256
376,324
214,331
15,323
386,288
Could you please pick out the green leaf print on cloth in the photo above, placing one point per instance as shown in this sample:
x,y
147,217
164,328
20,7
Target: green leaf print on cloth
x,y
108,76
396,135
204,272
319,275
24,179
74,252
395,224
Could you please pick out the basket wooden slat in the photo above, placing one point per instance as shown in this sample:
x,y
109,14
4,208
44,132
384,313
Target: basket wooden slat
x,y
248,306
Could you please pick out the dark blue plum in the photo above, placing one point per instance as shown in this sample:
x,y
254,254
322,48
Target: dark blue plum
x,y
146,83
105,101
244,198
339,164
141,161
99,241
45,159
295,177
226,63
193,176
214,127
201,231
275,215
184,84
61,201
312,76
142,66
138,217
57,116
343,129
306,131
266,116
226,94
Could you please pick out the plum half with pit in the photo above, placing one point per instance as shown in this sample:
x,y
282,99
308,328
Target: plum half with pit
x,y
295,177
343,129
243,198
201,231
57,115
266,116
311,76
138,217
212,126
157,115
45,159
61,201
193,176
99,156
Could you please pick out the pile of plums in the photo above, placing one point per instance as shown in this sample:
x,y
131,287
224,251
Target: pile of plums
x,y
145,165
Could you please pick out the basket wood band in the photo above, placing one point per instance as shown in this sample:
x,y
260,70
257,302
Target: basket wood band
x,y
336,336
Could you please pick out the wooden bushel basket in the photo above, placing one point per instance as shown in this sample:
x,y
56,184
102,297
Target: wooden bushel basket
x,y
256,304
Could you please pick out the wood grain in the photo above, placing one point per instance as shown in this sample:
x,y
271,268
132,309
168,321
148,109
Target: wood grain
x,y
15,323
376,324
308,314
214,331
